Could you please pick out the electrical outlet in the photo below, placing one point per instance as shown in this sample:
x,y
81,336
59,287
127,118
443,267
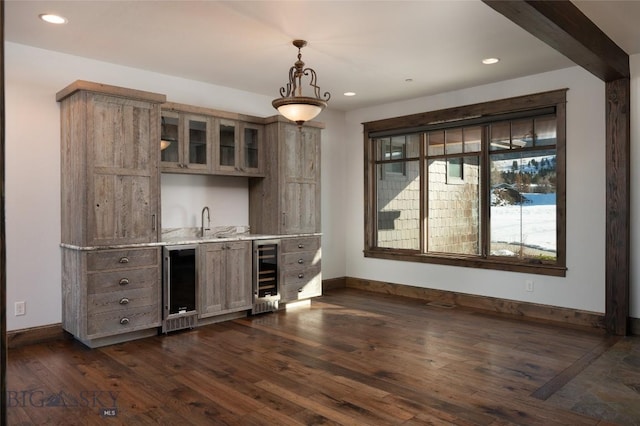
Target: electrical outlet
x,y
528,285
20,308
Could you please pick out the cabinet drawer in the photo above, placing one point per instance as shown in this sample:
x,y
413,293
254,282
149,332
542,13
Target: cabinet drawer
x,y
103,282
291,245
298,290
123,321
122,300
298,277
301,260
120,259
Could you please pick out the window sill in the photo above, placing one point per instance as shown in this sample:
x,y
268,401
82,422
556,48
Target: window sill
x,y
470,262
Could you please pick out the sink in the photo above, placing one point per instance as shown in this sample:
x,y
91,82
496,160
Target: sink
x,y
194,233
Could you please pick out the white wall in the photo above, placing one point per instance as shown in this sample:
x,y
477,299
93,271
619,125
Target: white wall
x,y
583,287
33,76
184,196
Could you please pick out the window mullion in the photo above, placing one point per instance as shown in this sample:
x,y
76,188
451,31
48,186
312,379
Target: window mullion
x,y
485,191
424,188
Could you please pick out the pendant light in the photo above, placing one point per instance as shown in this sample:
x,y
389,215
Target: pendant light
x,y
293,105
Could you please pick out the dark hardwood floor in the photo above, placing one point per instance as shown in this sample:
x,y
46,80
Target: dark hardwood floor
x,y
352,358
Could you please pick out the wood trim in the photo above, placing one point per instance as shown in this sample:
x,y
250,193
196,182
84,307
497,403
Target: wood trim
x,y
618,215
634,326
568,374
192,109
524,310
33,335
561,25
500,106
468,262
3,240
90,86
333,283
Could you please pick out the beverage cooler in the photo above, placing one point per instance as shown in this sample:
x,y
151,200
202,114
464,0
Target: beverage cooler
x,y
266,277
179,288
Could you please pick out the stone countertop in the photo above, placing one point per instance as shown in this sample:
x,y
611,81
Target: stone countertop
x,y
184,236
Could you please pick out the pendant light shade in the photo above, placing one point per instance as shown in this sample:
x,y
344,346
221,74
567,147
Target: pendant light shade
x,y
293,105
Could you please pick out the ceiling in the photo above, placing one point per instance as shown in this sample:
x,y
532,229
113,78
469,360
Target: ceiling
x,y
382,50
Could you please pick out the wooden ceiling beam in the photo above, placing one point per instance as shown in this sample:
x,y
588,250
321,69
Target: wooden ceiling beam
x,y
561,25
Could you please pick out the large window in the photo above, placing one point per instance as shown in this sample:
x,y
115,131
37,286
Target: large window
x,y
479,186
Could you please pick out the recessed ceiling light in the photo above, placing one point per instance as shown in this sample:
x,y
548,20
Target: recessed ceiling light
x,y
53,19
490,61
349,93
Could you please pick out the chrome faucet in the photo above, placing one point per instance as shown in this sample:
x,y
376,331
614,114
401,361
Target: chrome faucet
x,y
202,228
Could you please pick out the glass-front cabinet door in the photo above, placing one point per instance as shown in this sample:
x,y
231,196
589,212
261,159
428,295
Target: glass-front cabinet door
x,y
197,146
227,158
170,139
251,148
185,143
238,148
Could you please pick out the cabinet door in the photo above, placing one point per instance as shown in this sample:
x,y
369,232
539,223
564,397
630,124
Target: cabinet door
x,y
187,143
238,275
227,155
211,279
123,177
197,146
300,180
251,149
170,141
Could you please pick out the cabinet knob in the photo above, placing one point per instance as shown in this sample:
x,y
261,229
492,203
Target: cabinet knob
x,y
124,260
124,301
300,261
300,290
301,276
124,321
300,246
124,281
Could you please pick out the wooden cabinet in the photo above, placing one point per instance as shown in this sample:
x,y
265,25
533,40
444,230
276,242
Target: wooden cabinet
x,y
224,278
238,148
205,141
287,200
110,184
301,276
108,294
186,140
109,161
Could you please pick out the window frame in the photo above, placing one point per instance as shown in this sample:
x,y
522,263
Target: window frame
x,y
510,108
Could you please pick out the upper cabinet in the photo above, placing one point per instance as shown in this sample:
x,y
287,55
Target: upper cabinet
x,y
287,200
110,179
185,142
205,141
239,148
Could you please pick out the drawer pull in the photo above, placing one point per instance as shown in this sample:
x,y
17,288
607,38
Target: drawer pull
x,y
124,301
124,260
300,290
300,275
300,261
124,281
124,321
300,246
